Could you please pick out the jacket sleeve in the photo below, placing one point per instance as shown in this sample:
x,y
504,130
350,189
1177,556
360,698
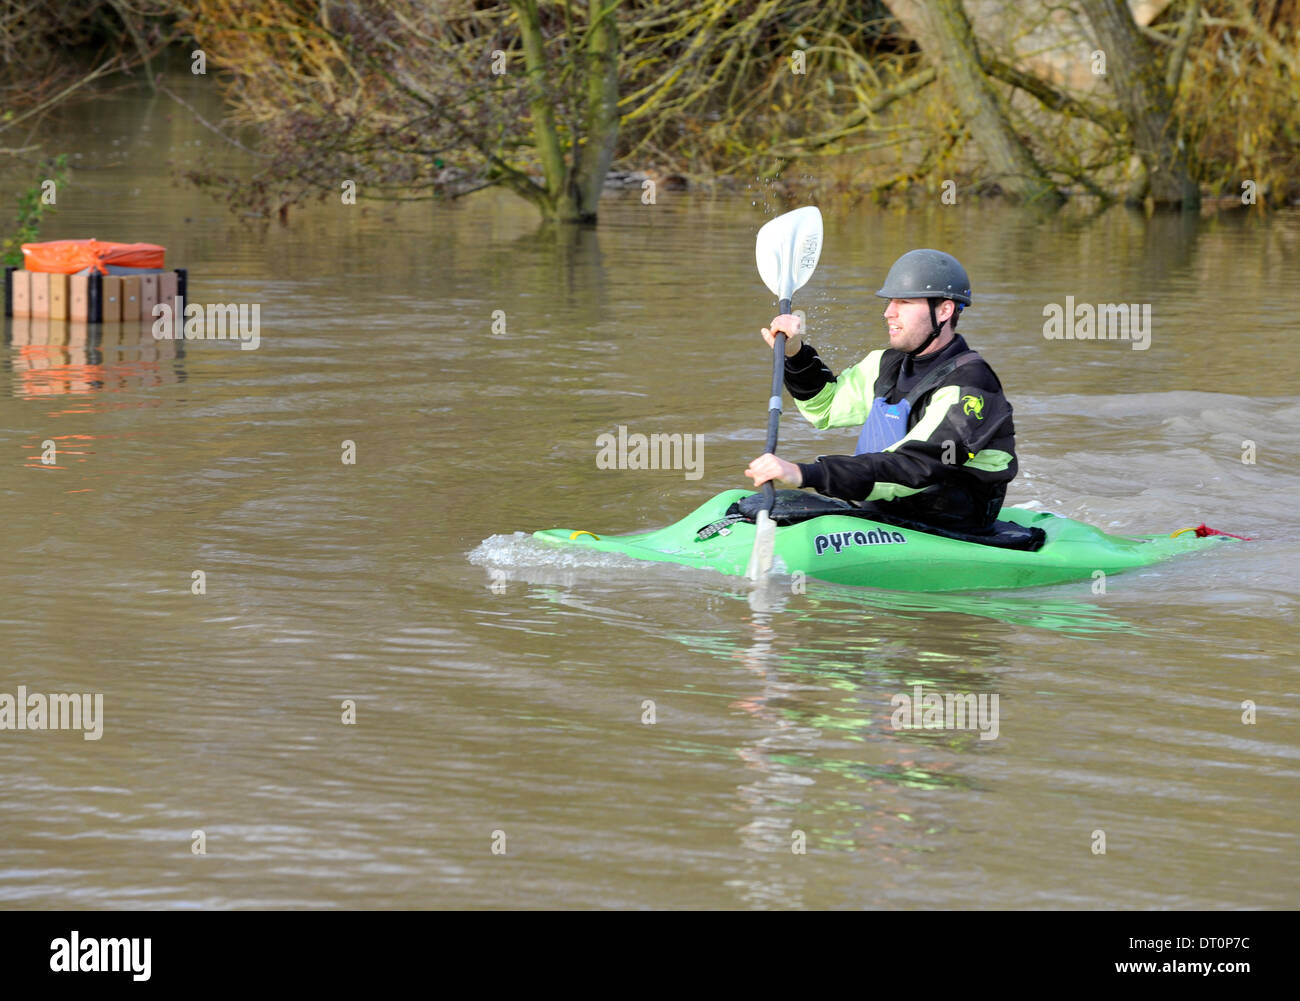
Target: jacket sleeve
x,y
827,401
954,435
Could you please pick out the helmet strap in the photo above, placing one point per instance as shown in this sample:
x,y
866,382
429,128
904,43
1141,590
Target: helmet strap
x,y
934,331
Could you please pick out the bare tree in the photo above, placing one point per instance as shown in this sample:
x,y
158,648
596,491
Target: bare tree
x,y
1142,84
573,178
944,33
417,100
414,99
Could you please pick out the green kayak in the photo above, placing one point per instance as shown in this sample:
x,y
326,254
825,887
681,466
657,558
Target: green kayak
x,y
851,549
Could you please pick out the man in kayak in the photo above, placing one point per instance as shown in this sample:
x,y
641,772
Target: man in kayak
x,y
937,444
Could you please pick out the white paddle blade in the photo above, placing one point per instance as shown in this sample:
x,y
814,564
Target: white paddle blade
x,y
787,250
760,559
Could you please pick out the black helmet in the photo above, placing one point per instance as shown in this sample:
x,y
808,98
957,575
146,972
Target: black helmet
x,y
927,274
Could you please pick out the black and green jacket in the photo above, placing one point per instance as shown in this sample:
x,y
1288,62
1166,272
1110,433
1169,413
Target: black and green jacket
x,y
959,433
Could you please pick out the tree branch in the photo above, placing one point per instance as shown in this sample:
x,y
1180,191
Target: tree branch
x,y
107,66
1051,98
204,122
1174,71
882,100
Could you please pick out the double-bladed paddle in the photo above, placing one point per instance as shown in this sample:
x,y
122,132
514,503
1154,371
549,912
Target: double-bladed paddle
x,y
787,251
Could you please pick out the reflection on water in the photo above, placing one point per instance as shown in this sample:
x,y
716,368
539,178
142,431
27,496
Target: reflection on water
x,y
793,755
520,557
820,707
55,357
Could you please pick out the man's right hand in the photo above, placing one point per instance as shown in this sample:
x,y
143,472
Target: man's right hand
x,y
788,324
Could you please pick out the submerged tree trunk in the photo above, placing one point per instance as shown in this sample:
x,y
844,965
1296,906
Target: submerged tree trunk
x,y
1139,83
545,135
942,29
574,178
601,124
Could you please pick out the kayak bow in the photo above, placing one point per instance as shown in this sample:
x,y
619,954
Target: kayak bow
x,y
846,549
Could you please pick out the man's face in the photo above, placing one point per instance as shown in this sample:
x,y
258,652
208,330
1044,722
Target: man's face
x,y
909,321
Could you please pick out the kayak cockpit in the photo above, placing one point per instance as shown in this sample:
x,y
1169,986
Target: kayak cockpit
x,y
794,506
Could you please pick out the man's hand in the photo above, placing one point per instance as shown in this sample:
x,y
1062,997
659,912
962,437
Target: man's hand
x,y
769,467
788,324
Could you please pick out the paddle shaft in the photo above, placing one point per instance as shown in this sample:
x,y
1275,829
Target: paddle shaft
x,y
774,403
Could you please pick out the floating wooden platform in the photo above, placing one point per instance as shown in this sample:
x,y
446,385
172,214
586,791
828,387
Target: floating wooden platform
x,y
92,298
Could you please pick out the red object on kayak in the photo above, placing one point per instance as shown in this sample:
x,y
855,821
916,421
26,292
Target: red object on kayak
x,y
66,257
1202,530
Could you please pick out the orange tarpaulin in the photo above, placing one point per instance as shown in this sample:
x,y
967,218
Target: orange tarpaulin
x,y
66,257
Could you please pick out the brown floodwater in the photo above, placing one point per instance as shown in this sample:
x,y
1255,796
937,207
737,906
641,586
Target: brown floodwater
x,y
499,687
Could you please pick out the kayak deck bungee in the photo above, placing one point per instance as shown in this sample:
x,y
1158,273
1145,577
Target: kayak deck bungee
x,y
851,549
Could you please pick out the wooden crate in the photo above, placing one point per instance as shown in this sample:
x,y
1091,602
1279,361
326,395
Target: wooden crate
x,y
130,298
79,298
40,295
111,299
21,292
58,297
148,297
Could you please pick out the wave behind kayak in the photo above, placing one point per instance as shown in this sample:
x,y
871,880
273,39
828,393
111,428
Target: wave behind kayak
x,y
520,550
